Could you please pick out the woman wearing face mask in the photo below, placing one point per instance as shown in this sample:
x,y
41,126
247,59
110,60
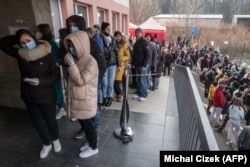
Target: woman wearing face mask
x,y
39,73
81,94
112,62
44,32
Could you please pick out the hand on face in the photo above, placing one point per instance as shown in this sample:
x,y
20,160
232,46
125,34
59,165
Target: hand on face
x,y
68,59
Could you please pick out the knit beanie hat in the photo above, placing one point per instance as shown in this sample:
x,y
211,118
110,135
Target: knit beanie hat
x,y
104,25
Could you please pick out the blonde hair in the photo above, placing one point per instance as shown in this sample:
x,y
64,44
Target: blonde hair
x,y
91,31
237,102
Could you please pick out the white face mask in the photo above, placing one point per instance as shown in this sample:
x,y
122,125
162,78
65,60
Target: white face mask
x,y
38,35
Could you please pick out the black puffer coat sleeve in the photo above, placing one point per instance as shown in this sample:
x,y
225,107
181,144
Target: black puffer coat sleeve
x,y
96,52
7,45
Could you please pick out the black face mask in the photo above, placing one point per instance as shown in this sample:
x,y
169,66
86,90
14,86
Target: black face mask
x,y
107,34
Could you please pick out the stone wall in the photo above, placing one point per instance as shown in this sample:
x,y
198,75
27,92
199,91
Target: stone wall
x,y
17,13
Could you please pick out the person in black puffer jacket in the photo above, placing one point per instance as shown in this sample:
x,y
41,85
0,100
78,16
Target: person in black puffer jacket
x,y
38,93
113,63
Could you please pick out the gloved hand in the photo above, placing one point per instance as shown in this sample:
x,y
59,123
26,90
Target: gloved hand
x,y
68,59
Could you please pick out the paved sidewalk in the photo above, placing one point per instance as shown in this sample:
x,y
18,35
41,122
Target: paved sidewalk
x,y
155,122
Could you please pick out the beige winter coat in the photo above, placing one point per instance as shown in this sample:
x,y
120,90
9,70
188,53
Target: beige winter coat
x,y
81,93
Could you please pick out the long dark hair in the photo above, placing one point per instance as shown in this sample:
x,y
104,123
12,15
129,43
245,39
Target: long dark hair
x,y
21,32
46,31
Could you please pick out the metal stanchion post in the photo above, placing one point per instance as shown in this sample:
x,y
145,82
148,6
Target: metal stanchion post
x,y
124,132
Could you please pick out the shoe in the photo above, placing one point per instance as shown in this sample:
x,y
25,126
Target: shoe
x,y
73,119
45,151
218,130
229,142
57,145
109,102
84,147
88,152
80,134
105,101
142,99
61,113
120,98
135,97
148,91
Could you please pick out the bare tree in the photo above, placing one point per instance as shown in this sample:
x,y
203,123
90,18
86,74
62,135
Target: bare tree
x,y
141,10
187,7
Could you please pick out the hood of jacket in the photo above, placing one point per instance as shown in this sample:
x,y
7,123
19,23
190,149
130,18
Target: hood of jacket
x,y
81,43
78,20
41,50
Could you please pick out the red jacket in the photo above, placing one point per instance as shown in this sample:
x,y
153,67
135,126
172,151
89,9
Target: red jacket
x,y
218,98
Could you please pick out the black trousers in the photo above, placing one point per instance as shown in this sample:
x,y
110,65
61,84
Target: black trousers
x,y
134,83
210,103
167,66
88,126
44,119
118,86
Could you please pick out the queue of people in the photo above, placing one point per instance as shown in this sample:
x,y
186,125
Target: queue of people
x,y
90,63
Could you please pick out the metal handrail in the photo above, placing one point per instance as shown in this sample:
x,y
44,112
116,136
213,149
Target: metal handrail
x,y
195,130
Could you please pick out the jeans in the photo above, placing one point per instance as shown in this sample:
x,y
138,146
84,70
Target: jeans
x,y
141,81
44,119
231,125
108,81
99,93
216,111
59,95
97,115
149,78
97,118
156,82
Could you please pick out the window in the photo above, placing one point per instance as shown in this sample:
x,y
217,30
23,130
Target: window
x,y
101,16
124,23
114,21
82,10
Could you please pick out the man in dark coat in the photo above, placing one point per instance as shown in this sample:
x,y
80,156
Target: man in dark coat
x,y
140,60
168,61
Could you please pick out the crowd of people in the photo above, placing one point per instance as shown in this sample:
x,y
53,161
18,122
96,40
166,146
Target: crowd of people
x,y
90,62
226,85
82,72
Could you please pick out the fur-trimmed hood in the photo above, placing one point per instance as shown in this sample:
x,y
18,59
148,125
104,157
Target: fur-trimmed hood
x,y
41,50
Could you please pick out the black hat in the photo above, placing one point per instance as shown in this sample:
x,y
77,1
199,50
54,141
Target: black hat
x,y
104,25
138,29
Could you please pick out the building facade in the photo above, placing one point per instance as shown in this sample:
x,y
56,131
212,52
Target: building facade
x,y
16,14
116,12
